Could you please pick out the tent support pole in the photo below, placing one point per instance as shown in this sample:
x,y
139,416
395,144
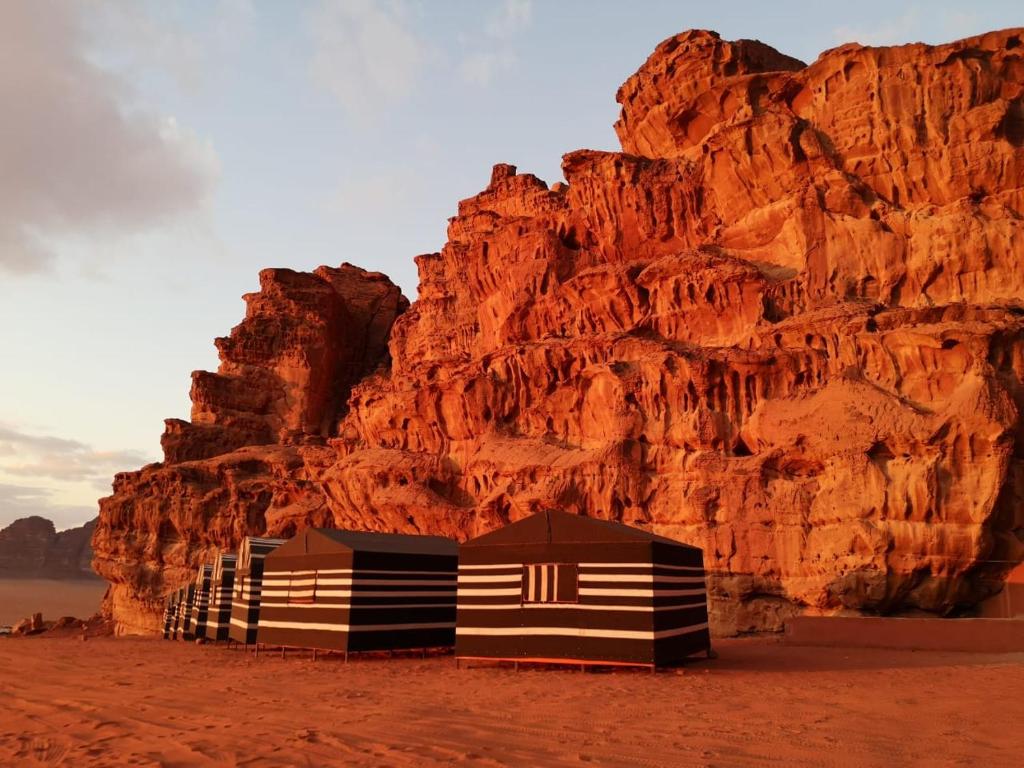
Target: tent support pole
x,y
314,654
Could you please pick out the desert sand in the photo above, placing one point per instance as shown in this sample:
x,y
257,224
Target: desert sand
x,y
23,597
110,701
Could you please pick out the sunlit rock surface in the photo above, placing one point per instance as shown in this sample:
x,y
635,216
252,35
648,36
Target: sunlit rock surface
x,y
785,325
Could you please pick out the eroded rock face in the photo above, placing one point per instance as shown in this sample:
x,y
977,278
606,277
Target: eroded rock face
x,y
286,370
784,325
239,466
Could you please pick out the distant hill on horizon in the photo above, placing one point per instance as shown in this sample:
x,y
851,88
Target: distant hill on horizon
x,y
32,548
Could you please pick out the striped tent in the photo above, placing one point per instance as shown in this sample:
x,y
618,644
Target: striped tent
x,y
186,597
170,611
178,595
201,602
564,588
218,617
245,596
354,591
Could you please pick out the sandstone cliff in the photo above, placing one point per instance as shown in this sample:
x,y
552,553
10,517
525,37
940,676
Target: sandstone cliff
x,y
784,324
32,548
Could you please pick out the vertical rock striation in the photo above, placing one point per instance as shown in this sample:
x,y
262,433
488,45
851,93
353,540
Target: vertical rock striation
x,y
784,324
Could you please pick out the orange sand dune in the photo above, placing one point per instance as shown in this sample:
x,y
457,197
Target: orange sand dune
x,y
148,702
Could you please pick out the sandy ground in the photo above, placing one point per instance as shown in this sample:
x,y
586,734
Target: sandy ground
x,y
23,597
110,701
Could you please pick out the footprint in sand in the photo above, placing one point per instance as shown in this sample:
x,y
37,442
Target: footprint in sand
x,y
43,750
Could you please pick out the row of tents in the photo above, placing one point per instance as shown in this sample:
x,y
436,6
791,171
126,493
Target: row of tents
x,y
553,587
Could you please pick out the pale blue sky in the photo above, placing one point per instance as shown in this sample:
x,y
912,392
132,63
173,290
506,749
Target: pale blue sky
x,y
156,155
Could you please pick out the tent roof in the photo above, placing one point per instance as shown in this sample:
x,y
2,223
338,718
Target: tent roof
x,y
557,527
401,543
254,541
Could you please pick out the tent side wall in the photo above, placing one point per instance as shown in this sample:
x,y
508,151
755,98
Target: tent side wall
x,y
245,603
681,615
218,620
322,616
359,601
184,630
402,601
247,589
170,607
610,621
179,595
201,602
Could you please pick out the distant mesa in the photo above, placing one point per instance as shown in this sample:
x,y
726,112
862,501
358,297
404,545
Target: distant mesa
x,y
32,548
785,324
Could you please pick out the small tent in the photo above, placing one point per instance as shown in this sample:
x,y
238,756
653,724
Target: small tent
x,y
183,616
178,596
170,611
201,602
355,591
561,587
245,596
218,617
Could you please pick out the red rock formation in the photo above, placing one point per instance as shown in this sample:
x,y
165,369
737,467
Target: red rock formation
x,y
286,371
785,325
32,548
242,465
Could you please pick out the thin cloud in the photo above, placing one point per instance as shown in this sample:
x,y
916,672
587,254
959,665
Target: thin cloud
x,y
386,190
895,31
366,54
944,24
80,158
480,67
129,31
19,501
155,37
12,439
56,458
511,17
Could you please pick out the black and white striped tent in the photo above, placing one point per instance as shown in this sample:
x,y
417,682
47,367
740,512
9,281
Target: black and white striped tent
x,y
245,597
178,597
183,615
564,588
222,582
200,603
170,613
354,591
